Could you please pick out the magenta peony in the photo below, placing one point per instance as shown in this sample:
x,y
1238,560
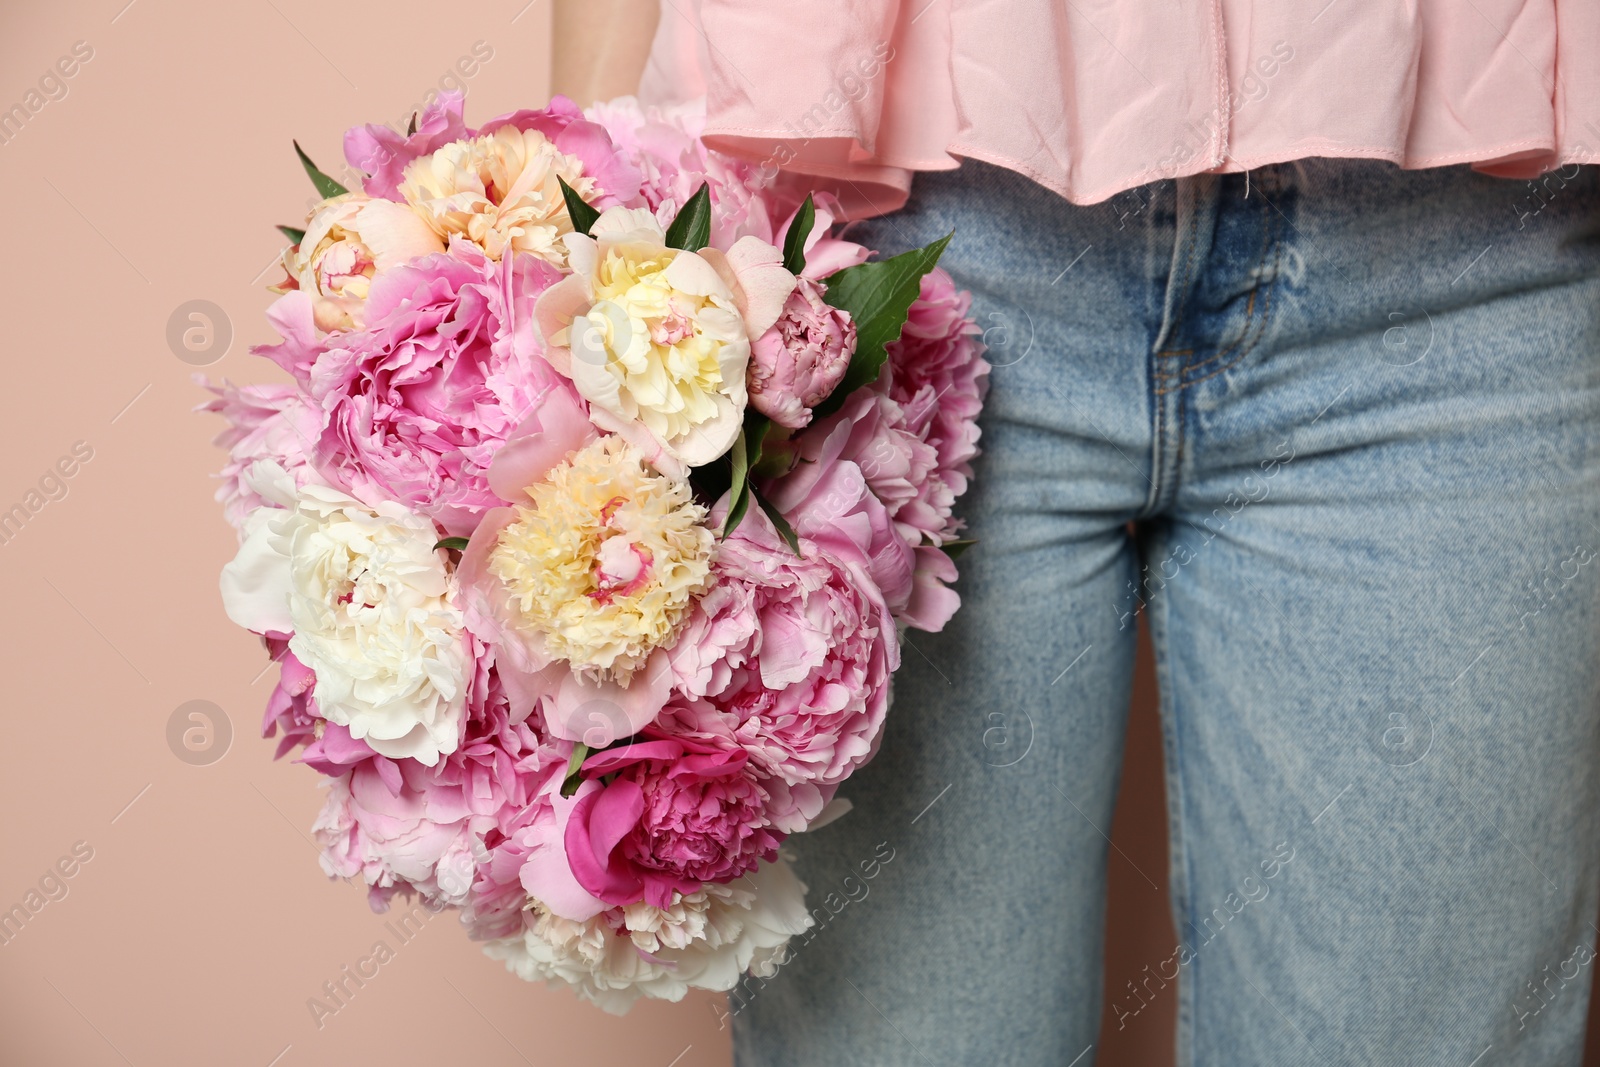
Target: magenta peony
x,y
673,815
797,363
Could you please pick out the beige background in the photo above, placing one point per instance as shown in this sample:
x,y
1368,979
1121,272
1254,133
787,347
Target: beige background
x,y
202,924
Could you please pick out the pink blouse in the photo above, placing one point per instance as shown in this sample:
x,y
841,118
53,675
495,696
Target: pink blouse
x,y
1093,97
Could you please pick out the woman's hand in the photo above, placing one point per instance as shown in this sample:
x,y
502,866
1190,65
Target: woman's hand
x,y
601,47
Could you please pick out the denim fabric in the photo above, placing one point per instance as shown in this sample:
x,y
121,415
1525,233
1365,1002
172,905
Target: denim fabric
x,y
1354,415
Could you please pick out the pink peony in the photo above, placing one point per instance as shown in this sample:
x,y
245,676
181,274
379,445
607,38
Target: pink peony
x,y
417,838
264,422
384,154
495,904
790,657
663,144
909,442
938,377
526,857
897,464
665,148
799,361
862,462
675,814
403,825
828,499
333,752
291,707
415,405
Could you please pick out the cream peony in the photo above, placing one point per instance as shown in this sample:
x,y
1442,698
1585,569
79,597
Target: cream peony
x,y
370,606
657,339
499,191
605,564
348,240
708,940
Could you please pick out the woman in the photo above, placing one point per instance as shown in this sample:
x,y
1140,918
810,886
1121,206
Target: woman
x,y
1294,311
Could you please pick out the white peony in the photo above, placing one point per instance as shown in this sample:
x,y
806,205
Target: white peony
x,y
707,940
657,339
370,606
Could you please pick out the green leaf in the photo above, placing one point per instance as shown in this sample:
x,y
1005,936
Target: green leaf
x,y
794,242
740,457
954,549
784,529
756,426
745,454
570,784
739,490
578,208
691,230
295,236
455,544
877,296
774,463
736,512
326,186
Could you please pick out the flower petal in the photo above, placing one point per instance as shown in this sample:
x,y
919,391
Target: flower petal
x,y
255,584
395,233
547,874
551,432
762,285
598,713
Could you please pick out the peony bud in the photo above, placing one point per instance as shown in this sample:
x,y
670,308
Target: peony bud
x,y
799,361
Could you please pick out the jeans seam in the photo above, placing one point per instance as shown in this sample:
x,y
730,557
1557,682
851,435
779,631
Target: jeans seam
x,y
1178,874
1175,297
1250,305
1260,332
1182,300
1255,326
1259,328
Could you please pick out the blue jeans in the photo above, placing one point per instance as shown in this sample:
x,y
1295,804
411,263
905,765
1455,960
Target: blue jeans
x,y
1338,439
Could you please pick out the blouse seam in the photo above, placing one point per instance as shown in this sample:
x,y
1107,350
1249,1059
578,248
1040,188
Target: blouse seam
x,y
1222,139
1352,151
781,135
1483,154
1463,155
1333,149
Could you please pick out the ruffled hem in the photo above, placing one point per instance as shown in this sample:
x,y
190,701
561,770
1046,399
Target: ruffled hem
x,y
1048,96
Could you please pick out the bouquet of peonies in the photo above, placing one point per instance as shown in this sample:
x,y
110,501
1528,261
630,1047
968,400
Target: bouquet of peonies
x,y
583,530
